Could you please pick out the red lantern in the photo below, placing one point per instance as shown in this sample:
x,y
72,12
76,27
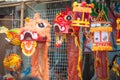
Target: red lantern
x,y
118,31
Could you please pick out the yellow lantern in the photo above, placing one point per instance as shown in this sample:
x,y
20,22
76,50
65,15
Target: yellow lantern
x,y
118,31
81,14
12,62
101,32
101,44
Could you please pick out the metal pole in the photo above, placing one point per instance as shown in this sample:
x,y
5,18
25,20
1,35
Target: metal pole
x,y
22,13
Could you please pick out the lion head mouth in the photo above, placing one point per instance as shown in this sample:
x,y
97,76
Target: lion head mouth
x,y
30,36
29,41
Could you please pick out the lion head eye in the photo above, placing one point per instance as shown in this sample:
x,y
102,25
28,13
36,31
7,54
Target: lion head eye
x,y
41,25
68,18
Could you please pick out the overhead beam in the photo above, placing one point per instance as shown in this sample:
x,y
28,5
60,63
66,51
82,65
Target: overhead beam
x,y
29,2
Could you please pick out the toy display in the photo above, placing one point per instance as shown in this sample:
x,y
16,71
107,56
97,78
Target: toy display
x,y
101,44
87,30
62,21
12,62
12,35
35,38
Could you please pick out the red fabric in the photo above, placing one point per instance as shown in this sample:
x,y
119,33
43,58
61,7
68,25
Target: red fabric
x,y
101,65
73,54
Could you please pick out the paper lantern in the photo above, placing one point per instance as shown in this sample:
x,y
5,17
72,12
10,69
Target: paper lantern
x,y
101,32
12,62
81,14
118,31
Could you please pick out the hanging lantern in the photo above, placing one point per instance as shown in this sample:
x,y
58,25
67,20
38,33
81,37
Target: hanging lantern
x,y
118,31
12,62
81,14
101,32
101,44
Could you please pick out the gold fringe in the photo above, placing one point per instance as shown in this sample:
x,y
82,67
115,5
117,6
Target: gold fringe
x,y
97,29
79,58
101,48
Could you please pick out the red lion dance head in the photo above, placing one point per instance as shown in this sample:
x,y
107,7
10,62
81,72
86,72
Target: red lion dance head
x,y
63,21
62,25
